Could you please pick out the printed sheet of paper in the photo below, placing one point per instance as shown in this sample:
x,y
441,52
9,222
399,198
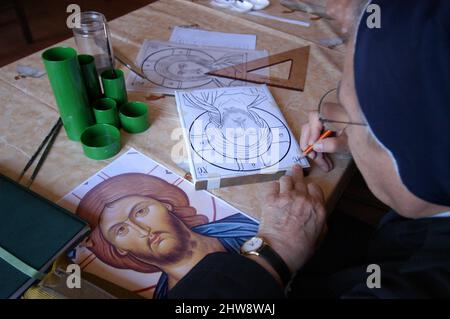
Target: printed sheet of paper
x,y
213,39
146,220
170,67
231,132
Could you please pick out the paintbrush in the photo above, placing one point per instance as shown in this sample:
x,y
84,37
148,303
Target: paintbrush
x,y
111,62
128,64
33,158
45,154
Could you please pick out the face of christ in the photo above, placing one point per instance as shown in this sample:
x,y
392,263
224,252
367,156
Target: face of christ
x,y
145,228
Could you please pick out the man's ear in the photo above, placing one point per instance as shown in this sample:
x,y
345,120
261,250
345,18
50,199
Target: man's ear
x,y
122,252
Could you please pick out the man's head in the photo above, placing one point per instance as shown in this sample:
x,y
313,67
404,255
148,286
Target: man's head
x,y
398,82
139,222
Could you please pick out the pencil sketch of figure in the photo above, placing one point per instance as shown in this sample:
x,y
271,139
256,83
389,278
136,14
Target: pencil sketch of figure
x,y
234,122
170,67
188,68
143,223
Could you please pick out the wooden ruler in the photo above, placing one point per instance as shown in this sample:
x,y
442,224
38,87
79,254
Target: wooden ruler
x,y
297,73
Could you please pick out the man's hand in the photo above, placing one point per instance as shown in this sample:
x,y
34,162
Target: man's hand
x,y
309,136
293,218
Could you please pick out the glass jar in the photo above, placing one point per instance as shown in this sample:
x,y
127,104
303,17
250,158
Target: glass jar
x,y
90,39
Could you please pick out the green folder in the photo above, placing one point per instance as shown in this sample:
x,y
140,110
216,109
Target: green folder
x,y
33,233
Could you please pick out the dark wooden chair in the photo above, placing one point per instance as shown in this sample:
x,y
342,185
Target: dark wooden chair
x,y
17,6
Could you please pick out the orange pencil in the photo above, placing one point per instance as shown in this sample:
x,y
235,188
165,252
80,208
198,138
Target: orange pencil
x,y
321,137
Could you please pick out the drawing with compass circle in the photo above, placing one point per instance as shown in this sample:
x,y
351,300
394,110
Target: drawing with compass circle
x,y
169,67
235,131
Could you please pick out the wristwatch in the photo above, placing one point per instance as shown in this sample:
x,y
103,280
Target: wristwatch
x,y
256,246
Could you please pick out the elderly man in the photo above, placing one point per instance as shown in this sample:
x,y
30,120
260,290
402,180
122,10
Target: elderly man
x,y
394,98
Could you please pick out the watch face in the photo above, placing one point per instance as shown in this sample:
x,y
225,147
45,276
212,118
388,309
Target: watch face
x,y
253,244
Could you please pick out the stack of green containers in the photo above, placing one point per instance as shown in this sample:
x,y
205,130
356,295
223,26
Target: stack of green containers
x,y
76,86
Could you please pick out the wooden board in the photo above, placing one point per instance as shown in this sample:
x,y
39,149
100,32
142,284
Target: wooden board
x,y
297,73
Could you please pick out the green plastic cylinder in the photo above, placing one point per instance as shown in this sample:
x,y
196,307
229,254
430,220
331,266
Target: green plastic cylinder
x,y
68,87
114,86
105,111
134,117
90,76
101,141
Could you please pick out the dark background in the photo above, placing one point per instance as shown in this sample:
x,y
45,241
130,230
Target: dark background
x,y
47,22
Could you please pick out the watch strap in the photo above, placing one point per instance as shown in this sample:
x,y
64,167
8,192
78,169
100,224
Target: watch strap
x,y
276,262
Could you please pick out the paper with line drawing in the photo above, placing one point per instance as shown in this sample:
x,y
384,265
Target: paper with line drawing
x,y
170,66
237,130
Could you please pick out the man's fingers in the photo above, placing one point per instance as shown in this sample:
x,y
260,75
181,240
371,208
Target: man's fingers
x,y
312,155
321,161
331,145
286,184
297,176
316,192
271,191
297,173
304,137
315,127
329,162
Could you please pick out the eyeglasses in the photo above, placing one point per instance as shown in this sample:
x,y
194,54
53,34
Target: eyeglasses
x,y
331,113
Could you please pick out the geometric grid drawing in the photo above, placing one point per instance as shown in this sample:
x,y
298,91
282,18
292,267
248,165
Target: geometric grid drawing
x,y
149,226
169,67
235,132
